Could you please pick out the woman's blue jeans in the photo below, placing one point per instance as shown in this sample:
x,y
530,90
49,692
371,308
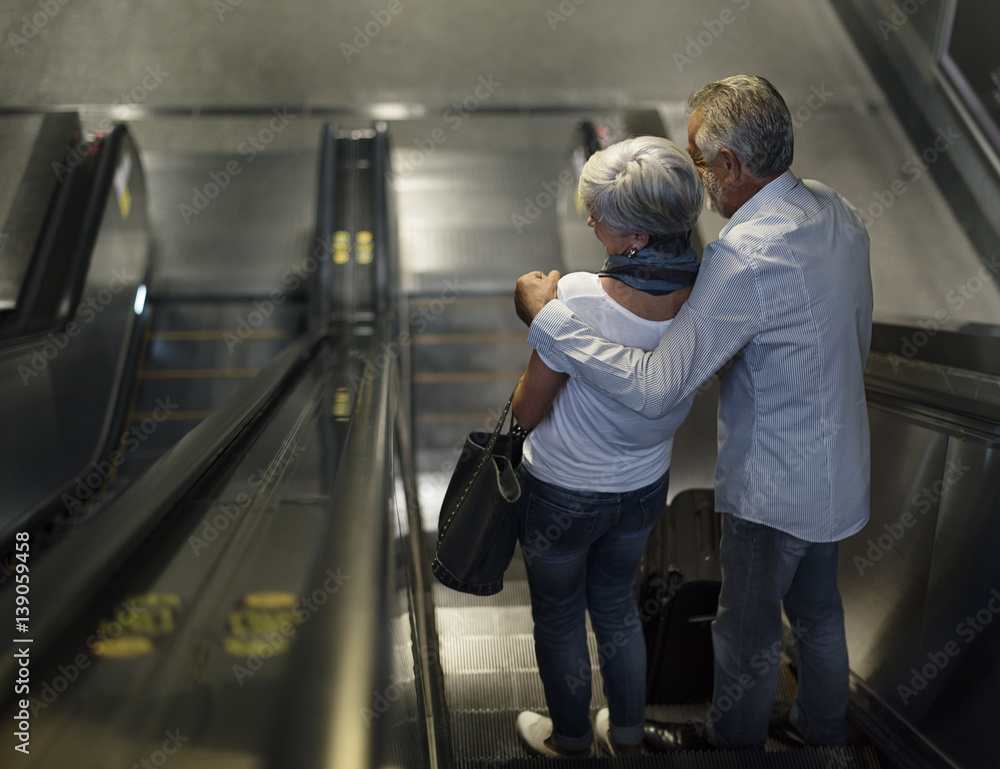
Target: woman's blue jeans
x,y
581,550
761,567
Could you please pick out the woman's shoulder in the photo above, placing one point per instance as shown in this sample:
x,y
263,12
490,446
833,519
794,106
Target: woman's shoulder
x,y
579,284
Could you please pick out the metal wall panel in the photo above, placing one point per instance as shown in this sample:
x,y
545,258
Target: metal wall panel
x,y
884,568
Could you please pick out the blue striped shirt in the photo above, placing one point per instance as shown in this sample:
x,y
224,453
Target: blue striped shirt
x,y
785,297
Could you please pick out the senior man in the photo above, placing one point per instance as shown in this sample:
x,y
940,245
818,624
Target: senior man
x,y
784,298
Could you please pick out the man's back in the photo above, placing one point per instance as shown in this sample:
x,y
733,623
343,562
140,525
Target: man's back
x,y
793,429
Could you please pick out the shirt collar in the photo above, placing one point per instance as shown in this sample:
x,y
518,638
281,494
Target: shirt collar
x,y
774,190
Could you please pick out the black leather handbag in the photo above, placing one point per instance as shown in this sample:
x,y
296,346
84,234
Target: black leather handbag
x,y
477,527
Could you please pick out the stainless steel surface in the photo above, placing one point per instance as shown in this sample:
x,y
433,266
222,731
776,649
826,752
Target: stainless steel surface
x,y
957,707
56,393
884,568
920,582
240,224
97,550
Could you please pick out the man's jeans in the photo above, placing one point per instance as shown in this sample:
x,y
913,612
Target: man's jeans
x,y
581,551
760,567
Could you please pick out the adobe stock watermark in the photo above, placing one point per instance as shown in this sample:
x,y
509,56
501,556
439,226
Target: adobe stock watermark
x,y
818,96
229,512
762,663
899,15
77,153
277,641
957,296
702,40
363,35
534,206
454,117
923,501
86,312
222,7
173,742
418,323
565,9
50,690
938,661
912,170
131,440
218,181
33,24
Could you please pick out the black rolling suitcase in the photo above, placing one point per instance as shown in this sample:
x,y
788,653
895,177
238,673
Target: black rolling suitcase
x,y
681,578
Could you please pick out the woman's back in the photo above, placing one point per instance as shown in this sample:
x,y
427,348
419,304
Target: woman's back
x,y
587,441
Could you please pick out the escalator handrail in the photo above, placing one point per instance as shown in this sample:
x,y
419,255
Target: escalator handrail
x,y
66,245
970,346
79,565
341,654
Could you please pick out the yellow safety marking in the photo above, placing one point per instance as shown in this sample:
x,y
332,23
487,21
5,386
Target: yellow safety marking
x,y
124,648
125,202
364,247
257,333
472,338
198,373
341,247
273,599
342,404
467,376
262,631
134,624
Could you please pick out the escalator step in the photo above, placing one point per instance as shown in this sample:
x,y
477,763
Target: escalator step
x,y
795,758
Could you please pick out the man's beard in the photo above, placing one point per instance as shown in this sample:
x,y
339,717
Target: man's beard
x,y
713,191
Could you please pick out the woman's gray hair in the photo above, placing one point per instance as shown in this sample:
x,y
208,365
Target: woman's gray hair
x,y
747,115
643,185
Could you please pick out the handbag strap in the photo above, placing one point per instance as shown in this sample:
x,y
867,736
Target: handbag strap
x,y
499,428
487,453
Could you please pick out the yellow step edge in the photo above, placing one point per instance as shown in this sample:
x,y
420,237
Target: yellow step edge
x,y
472,338
138,416
468,376
198,373
257,333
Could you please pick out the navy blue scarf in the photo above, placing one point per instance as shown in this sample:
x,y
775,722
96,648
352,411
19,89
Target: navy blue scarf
x,y
653,272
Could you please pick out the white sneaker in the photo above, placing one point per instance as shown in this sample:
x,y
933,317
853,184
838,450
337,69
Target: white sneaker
x,y
602,730
534,730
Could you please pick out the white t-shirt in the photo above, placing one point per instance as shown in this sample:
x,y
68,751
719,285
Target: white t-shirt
x,y
588,441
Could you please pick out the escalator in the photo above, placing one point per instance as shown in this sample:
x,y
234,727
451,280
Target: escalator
x,y
259,595
164,627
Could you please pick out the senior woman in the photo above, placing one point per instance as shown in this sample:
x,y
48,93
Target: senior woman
x,y
594,474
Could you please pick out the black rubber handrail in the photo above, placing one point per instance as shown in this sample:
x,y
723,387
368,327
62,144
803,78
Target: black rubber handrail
x,y
342,652
97,550
322,299
57,275
969,346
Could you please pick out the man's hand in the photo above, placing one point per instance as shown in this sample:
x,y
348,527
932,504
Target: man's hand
x,y
534,291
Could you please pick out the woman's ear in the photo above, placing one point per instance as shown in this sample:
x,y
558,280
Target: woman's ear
x,y
641,241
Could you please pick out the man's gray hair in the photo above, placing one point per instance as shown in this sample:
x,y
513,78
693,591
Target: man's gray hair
x,y
747,115
643,185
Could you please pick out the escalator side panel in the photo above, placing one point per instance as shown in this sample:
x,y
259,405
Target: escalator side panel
x,y
54,392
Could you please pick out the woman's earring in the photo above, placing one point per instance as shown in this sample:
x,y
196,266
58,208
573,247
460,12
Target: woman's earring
x,y
631,252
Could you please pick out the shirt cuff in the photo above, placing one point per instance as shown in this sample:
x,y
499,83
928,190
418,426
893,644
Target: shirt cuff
x,y
546,325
